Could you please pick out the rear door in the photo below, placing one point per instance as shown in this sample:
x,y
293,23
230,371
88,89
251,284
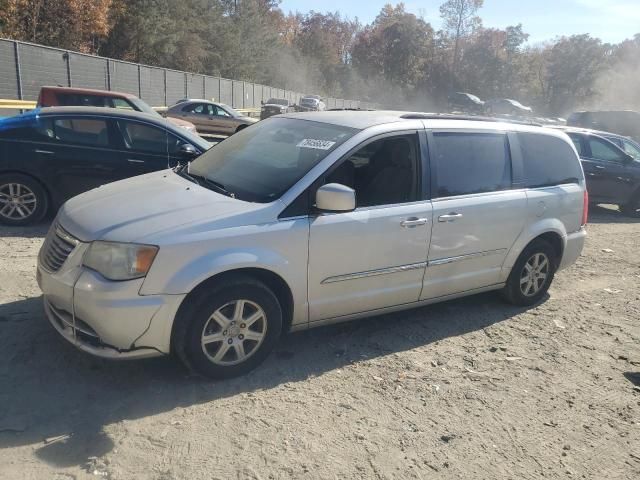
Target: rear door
x,y
84,154
478,212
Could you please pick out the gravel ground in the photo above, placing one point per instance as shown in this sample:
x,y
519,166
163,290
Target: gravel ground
x,y
466,389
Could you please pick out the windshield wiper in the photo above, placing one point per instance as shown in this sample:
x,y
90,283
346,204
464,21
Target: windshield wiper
x,y
183,170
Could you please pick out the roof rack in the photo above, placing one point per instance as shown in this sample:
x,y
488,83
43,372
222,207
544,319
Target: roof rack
x,y
472,118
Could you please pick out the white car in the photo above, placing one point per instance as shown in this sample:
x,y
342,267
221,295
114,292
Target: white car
x,y
308,219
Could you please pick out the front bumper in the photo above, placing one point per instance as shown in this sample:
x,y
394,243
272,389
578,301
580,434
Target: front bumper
x,y
105,318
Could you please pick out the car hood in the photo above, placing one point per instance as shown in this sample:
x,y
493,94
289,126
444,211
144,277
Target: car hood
x,y
150,208
247,119
182,123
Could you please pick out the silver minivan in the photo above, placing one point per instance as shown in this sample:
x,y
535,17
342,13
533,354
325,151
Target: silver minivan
x,y
308,219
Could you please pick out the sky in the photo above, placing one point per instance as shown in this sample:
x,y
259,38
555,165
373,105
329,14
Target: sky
x,y
610,20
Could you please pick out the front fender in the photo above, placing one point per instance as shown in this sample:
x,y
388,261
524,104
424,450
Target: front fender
x,y
532,231
200,268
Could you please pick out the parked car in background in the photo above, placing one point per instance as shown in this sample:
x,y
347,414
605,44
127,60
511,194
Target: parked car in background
x,y
311,103
465,102
52,154
210,117
628,145
309,219
613,176
86,97
507,106
621,122
275,106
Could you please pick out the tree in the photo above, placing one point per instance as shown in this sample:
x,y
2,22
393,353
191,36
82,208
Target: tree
x,y
460,20
73,24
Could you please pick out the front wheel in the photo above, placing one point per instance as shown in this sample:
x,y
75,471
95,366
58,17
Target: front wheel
x,y
23,201
229,329
532,274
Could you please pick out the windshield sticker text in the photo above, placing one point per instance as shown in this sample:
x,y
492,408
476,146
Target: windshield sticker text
x,y
317,144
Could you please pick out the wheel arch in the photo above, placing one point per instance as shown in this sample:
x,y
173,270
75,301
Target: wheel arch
x,y
272,280
550,230
45,188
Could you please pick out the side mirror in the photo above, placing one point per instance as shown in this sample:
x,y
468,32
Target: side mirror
x,y
187,150
261,102
628,158
335,197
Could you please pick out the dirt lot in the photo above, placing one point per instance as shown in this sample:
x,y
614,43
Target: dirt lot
x,y
467,389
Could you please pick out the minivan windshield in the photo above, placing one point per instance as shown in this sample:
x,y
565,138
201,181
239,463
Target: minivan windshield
x,y
260,163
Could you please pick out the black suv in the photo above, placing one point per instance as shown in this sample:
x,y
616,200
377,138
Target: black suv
x,y
612,175
275,106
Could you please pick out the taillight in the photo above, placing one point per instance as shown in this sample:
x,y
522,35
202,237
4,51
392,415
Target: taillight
x,y
585,208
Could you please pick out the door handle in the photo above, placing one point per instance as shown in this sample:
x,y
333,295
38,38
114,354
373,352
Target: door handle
x,y
451,217
413,222
134,160
44,152
599,167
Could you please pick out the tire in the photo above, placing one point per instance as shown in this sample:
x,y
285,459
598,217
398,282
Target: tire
x,y
196,321
518,289
23,200
632,209
241,127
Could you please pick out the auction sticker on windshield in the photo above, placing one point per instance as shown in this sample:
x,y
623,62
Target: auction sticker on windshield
x,y
317,144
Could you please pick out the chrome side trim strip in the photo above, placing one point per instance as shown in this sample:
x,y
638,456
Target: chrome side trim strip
x,y
374,273
444,261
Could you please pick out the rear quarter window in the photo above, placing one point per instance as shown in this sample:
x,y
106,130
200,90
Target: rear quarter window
x,y
548,161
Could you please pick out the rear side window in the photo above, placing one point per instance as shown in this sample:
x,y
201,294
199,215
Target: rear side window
x,y
548,161
82,131
469,163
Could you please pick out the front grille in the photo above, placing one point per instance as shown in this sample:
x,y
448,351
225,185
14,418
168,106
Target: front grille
x,y
57,247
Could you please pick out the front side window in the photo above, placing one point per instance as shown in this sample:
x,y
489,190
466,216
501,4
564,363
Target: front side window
x,y
468,163
80,100
147,138
82,131
220,112
604,150
548,160
632,149
383,172
259,164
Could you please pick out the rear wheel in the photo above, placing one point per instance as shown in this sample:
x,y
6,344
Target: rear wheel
x,y
229,329
23,201
532,274
241,127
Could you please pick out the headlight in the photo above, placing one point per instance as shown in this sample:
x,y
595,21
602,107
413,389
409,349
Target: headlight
x,y
120,261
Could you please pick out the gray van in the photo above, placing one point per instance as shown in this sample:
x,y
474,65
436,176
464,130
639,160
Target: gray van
x,y
309,219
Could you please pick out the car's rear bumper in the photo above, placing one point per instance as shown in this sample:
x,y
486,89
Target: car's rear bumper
x,y
573,245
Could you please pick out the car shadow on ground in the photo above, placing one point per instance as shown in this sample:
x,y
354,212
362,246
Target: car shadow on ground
x,y
58,400
609,214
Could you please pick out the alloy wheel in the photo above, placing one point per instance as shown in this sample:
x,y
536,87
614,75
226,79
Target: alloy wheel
x,y
17,201
534,274
234,332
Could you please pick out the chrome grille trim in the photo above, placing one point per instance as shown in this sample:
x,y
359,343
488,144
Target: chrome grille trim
x,y
56,248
